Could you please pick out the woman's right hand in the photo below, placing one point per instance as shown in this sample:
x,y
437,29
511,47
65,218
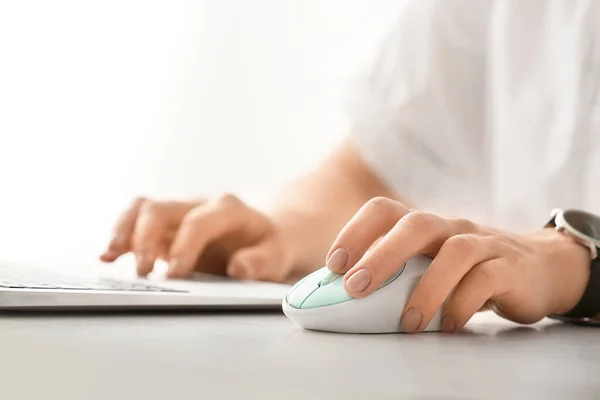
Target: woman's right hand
x,y
215,235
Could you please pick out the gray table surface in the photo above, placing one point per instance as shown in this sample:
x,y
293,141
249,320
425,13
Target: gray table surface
x,y
263,355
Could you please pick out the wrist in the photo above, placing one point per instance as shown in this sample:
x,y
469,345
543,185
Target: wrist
x,y
569,272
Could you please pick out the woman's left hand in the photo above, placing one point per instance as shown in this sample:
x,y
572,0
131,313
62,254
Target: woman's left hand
x,y
522,277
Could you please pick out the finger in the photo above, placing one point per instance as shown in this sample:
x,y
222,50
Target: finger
x,y
148,238
457,256
371,222
415,233
471,295
263,262
201,226
121,239
153,231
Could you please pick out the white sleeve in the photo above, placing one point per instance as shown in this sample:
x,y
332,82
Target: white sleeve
x,y
419,122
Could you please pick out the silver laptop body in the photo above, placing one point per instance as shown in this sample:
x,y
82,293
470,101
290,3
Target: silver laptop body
x,y
25,288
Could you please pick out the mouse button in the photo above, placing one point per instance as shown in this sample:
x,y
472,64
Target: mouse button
x,y
330,277
335,293
328,295
304,288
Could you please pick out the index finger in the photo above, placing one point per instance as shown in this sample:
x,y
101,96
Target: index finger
x,y
200,226
371,222
120,242
415,233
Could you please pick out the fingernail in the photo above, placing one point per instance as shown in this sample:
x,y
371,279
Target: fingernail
x,y
411,320
448,324
337,260
359,280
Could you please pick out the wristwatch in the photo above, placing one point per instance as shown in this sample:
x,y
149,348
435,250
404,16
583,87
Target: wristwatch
x,y
584,228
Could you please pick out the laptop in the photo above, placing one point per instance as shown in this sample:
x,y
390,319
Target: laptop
x,y
106,288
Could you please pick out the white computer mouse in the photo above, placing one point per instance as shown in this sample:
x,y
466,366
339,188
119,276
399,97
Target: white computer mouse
x,y
319,302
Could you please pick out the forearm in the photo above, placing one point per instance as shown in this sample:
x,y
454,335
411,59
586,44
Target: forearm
x,y
312,210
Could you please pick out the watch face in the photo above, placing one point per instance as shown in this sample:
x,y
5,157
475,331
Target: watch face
x,y
584,223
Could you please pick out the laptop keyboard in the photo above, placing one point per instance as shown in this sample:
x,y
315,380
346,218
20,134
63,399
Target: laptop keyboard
x,y
43,280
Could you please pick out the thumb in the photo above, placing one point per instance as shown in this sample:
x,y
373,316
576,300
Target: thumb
x,y
263,262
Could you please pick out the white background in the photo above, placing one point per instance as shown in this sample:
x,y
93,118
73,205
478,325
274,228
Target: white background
x,y
102,101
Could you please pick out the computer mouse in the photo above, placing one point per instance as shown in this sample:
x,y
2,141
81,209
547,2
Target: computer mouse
x,y
319,302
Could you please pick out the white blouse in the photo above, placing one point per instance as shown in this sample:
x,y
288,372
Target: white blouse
x,y
488,109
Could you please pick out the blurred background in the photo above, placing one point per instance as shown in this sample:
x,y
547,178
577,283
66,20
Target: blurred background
x,y
102,101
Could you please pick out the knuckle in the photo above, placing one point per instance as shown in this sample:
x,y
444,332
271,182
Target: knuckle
x,y
228,200
419,220
137,203
485,273
193,216
382,205
466,225
138,200
462,245
151,208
